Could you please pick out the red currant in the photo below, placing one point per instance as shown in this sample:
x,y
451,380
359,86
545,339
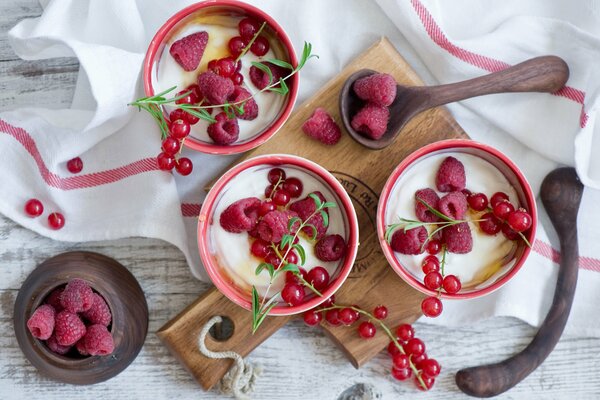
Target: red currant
x,y
380,312
195,90
497,198
509,233
400,361
430,368
212,65
329,302
519,220
434,246
238,66
248,28
433,280
171,146
312,317
502,209
275,174
414,347
426,380
237,78
281,197
190,98
490,224
332,317
56,220
451,284
292,293
165,162
265,208
292,277
291,258
293,186
366,330
405,332
260,248
431,307
179,128
318,277
260,47
417,360
184,166
348,316
273,259
477,201
181,114
430,264
393,349
401,374
226,67
75,165
269,191
237,45
34,208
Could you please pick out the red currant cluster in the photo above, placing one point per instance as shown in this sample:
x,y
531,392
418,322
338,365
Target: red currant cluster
x,y
179,128
435,280
34,208
501,215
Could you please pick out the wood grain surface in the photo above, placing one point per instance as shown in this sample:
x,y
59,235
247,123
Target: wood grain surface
x,y
298,362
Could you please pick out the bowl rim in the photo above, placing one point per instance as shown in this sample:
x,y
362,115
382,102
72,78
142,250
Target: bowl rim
x,y
409,161
206,215
271,130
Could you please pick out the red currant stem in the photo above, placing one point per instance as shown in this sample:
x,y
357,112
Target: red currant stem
x,y
279,181
308,285
489,209
442,264
251,42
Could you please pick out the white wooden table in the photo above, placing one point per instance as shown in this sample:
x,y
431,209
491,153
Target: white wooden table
x,y
298,362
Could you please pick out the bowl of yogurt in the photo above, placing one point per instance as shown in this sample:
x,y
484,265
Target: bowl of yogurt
x,y
220,20
230,255
491,253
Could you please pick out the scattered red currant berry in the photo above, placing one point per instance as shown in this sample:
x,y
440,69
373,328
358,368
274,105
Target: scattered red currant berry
x,y
414,347
275,174
497,198
184,166
366,330
248,28
237,78
226,66
293,186
292,293
502,209
393,349
281,197
318,277
434,246
401,374
181,114
426,380
312,317
401,361
405,332
490,224
179,128
237,45
75,165
477,201
260,248
348,316
430,368
189,98
430,264
265,208
171,145
56,220
332,317
433,280
329,302
431,307
451,284
380,312
165,162
519,220
34,208
260,47
509,233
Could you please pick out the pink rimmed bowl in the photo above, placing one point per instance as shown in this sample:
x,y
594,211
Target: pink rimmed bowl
x,y
503,164
280,42
207,218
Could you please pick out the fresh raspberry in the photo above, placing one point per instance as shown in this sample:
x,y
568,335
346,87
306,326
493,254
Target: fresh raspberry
x,y
80,346
322,127
371,120
240,216
77,296
41,323
55,347
409,242
250,106
215,88
261,80
99,313
458,238
274,225
68,328
305,208
330,248
53,299
98,341
430,197
453,205
188,51
225,131
451,176
377,88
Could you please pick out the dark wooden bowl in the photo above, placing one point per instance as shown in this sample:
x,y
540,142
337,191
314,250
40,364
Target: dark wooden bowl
x,y
123,295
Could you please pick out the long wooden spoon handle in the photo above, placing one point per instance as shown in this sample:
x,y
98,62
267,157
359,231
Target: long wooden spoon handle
x,y
540,74
561,195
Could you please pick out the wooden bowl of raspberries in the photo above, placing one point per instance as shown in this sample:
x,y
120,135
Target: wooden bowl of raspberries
x,y
80,318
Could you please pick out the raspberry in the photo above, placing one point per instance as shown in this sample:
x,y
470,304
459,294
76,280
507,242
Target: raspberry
x,y
260,79
409,242
98,341
458,238
99,313
225,131
430,197
250,106
451,176
54,299
188,51
77,296
274,225
68,328
330,248
215,88
322,127
80,346
305,208
55,347
240,216
453,205
41,323
371,120
379,89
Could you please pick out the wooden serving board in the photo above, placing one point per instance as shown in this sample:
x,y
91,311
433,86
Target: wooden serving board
x,y
363,172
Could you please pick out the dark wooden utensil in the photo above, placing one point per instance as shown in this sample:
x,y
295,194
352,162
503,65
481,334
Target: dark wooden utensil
x,y
561,194
540,74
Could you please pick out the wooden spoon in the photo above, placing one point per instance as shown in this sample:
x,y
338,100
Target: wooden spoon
x,y
540,74
561,194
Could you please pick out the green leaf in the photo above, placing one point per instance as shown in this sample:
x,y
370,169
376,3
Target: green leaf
x,y
293,220
229,111
316,199
282,89
263,266
314,231
199,113
290,267
239,108
255,308
280,63
268,307
325,218
329,204
264,69
301,253
285,240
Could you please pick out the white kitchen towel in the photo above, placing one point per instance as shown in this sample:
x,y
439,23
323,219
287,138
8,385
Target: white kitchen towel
x,y
121,193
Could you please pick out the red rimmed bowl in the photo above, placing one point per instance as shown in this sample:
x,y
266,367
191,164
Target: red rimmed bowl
x,y
235,184
418,171
223,14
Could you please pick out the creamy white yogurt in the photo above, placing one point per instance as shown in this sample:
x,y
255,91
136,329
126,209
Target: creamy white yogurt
x,y
169,73
232,250
491,255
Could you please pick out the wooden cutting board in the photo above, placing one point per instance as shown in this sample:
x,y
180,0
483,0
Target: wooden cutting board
x,y
363,173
